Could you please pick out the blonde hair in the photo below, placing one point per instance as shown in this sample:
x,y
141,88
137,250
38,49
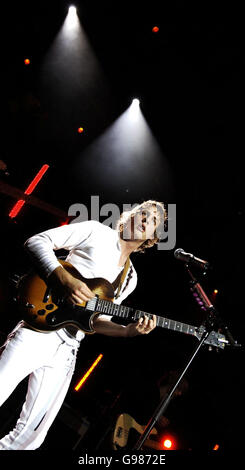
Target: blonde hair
x,y
139,208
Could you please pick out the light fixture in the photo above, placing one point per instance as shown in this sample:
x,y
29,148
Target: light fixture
x,y
72,10
135,102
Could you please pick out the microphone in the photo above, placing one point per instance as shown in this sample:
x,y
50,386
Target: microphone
x,y
190,259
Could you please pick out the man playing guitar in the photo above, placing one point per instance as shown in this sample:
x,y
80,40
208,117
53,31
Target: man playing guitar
x,y
48,357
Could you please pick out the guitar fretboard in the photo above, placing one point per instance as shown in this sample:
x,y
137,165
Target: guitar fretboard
x,y
109,308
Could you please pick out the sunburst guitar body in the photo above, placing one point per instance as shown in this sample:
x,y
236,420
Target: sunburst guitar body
x,y
44,309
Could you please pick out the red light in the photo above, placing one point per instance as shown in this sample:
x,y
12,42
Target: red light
x,y
80,130
216,447
216,291
19,204
155,29
84,378
167,444
64,223
36,180
27,61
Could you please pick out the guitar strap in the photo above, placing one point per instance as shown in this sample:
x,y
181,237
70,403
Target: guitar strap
x,y
117,284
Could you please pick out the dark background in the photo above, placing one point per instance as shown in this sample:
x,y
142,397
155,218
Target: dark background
x,y
190,79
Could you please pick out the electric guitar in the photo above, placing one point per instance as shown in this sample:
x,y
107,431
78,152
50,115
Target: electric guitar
x,y
45,310
127,430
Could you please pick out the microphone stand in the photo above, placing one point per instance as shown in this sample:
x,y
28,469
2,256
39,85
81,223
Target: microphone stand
x,y
209,323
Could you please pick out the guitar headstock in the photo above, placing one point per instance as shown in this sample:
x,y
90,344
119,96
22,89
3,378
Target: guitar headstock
x,y
214,339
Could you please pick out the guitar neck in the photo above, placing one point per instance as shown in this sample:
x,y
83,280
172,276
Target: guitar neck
x,y
109,308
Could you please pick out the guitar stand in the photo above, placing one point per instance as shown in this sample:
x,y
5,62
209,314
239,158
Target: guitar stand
x,y
213,319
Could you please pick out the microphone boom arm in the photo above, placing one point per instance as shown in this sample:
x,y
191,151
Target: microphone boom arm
x,y
212,319
213,316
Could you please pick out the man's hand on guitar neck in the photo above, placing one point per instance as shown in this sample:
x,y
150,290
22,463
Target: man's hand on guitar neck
x,y
142,327
75,290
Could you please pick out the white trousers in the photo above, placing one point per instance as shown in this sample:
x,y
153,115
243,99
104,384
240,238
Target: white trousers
x,y
49,360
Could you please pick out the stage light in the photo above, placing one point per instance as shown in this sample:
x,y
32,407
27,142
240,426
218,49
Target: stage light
x,y
19,204
135,102
36,180
127,157
216,291
16,209
66,222
72,10
216,447
80,130
72,18
167,444
84,378
134,110
69,74
27,61
155,29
